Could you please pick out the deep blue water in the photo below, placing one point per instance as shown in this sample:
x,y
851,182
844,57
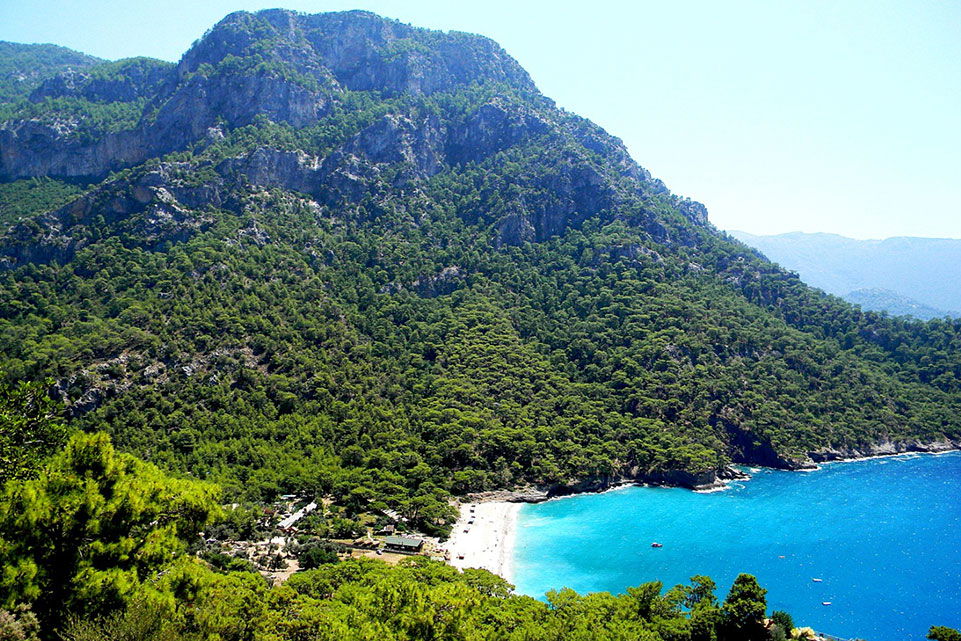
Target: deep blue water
x,y
884,535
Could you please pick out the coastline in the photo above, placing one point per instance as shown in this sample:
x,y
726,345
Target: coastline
x,y
609,534
720,480
883,449
484,536
871,457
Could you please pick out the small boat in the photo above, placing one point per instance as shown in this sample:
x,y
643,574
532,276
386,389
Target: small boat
x,y
817,580
825,603
657,545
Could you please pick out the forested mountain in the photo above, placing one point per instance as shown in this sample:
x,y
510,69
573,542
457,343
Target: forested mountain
x,y
341,257
24,67
902,275
335,253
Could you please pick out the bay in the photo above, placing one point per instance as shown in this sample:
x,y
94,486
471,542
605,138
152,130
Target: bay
x,y
882,535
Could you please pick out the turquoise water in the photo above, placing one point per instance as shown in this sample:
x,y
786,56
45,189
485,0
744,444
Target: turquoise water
x,y
883,535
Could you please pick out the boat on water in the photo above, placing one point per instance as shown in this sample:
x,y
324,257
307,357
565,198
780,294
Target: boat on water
x,y
817,580
825,603
655,544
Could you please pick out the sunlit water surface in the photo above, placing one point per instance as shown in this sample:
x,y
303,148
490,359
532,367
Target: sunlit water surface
x,y
883,535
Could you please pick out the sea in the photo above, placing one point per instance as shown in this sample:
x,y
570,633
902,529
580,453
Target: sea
x,y
865,549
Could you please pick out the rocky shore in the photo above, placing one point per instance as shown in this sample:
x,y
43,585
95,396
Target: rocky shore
x,y
712,479
883,448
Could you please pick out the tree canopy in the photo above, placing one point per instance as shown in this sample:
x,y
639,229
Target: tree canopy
x,y
93,529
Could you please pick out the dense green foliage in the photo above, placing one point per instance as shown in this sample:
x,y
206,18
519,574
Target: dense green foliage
x,y
784,621
943,633
95,548
31,196
93,530
548,362
92,118
424,290
744,610
418,600
106,97
30,429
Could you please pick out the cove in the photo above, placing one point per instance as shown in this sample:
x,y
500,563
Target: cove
x,y
883,535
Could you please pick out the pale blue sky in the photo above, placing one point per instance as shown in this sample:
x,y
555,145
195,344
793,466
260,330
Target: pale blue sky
x,y
841,116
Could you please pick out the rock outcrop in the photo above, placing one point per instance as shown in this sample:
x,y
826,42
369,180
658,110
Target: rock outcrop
x,y
156,206
230,77
883,448
121,81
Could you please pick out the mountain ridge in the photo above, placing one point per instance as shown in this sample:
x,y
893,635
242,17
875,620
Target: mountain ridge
x,y
295,73
841,266
25,66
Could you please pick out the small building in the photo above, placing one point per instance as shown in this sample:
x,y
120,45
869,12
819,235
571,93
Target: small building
x,y
404,544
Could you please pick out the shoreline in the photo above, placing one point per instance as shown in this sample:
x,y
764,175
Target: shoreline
x,y
735,472
484,537
485,533
871,457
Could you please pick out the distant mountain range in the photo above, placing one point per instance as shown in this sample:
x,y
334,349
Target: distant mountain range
x,y
902,275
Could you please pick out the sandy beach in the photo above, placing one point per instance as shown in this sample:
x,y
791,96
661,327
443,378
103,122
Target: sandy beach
x,y
488,542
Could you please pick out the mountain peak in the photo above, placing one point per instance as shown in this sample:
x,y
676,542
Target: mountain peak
x,y
359,49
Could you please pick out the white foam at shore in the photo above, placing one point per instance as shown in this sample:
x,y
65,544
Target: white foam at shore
x,y
488,542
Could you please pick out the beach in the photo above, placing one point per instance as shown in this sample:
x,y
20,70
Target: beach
x,y
488,542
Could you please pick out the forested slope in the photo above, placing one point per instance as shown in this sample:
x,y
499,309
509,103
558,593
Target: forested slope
x,y
338,254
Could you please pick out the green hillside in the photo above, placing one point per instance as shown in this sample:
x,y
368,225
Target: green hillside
x,y
440,285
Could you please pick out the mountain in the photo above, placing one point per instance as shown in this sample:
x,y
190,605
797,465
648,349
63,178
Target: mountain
x,y
342,255
911,269
24,67
884,300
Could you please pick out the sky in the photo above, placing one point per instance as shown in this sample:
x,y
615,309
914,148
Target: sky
x,y
839,116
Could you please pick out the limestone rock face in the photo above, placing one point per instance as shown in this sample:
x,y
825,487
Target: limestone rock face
x,y
156,206
302,72
572,193
231,77
33,148
495,126
274,168
348,173
692,209
365,52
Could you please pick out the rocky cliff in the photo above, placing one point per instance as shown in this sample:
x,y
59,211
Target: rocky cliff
x,y
276,64
299,70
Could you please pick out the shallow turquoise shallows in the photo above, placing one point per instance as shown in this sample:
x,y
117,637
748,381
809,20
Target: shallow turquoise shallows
x,y
883,536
